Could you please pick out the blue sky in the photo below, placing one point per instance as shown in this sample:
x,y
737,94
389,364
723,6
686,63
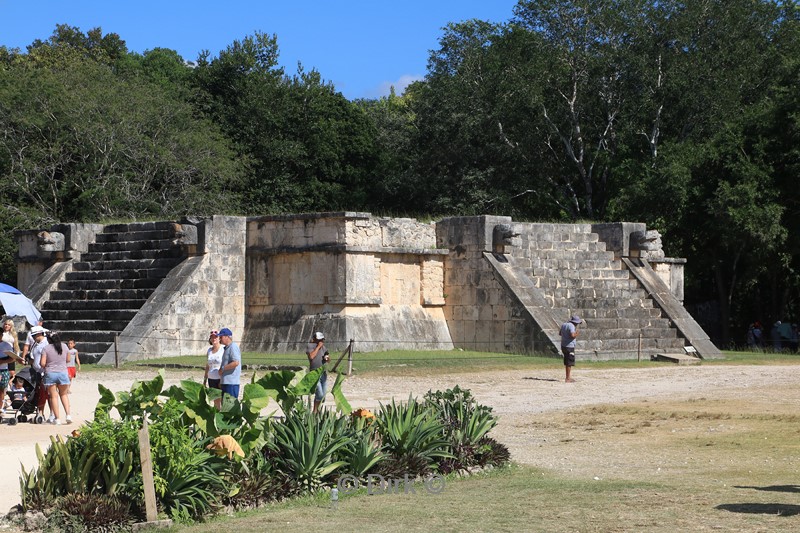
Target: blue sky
x,y
363,47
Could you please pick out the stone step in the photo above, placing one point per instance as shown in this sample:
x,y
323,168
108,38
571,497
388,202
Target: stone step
x,y
547,283
132,254
139,226
87,305
556,235
96,284
74,324
606,313
127,236
591,292
59,315
631,323
594,333
145,273
591,262
103,294
555,227
538,272
91,352
648,344
538,257
90,336
126,264
535,248
130,245
601,303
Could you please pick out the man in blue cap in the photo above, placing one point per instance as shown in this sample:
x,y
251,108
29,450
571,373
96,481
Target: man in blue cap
x,y
230,370
569,332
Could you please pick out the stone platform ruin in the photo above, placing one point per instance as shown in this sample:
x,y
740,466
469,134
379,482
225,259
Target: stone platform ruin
x,y
486,283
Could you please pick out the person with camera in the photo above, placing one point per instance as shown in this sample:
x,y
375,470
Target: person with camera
x,y
569,332
317,357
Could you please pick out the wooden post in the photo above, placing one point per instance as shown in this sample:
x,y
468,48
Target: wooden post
x,y
147,473
116,351
639,353
350,358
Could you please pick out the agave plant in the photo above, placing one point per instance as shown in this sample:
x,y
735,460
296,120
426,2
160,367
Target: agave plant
x,y
412,430
193,487
363,451
466,423
306,445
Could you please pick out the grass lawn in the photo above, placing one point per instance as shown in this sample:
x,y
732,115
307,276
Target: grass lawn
x,y
407,363
695,465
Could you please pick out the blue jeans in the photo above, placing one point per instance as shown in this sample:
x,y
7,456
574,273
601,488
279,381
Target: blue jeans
x,y
319,393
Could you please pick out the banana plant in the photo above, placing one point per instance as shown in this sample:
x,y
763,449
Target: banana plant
x,y
142,400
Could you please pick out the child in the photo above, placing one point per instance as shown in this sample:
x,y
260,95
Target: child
x,y
73,361
17,391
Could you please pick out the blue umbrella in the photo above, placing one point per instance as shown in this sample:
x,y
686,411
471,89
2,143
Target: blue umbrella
x,y
17,304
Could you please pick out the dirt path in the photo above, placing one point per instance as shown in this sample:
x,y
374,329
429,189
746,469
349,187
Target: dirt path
x,y
517,397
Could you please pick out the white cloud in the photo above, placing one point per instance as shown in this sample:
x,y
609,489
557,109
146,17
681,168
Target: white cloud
x,y
399,86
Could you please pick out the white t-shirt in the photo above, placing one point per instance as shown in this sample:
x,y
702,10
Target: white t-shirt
x,y
214,362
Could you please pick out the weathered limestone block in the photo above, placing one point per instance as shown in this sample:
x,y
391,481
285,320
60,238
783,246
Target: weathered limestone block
x,y
362,273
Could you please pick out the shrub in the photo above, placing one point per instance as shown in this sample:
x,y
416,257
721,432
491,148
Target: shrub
x,y
306,445
363,450
256,481
90,512
466,424
413,435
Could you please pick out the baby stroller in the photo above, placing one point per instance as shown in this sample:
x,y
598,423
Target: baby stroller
x,y
21,409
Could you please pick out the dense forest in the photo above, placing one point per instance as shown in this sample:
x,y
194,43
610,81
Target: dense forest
x,y
682,115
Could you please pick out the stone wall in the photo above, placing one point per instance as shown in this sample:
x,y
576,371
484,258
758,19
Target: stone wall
x,y
481,312
206,291
354,276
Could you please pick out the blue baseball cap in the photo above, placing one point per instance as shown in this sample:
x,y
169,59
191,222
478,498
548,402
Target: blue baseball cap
x,y
225,332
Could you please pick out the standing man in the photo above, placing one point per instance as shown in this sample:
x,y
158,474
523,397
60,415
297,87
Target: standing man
x,y
318,356
230,370
569,332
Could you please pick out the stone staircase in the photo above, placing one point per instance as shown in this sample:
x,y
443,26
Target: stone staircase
x,y
110,283
577,275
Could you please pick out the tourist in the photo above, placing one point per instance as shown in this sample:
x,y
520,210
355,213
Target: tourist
x,y
758,334
10,336
213,362
750,337
27,348
38,337
317,357
230,369
7,355
56,379
569,332
73,362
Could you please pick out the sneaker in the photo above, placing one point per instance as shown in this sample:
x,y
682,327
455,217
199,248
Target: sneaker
x,y
57,422
51,420
69,420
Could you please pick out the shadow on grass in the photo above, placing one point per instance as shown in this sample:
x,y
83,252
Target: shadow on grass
x,y
779,509
772,488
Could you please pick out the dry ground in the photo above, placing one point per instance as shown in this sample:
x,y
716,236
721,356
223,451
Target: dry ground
x,y
649,425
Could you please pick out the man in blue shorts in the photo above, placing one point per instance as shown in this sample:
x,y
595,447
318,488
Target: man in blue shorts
x,y
569,332
230,370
